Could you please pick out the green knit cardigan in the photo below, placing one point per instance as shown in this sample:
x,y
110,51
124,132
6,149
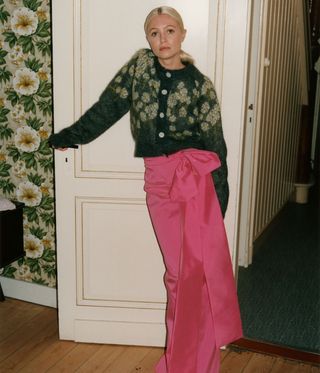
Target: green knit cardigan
x,y
170,110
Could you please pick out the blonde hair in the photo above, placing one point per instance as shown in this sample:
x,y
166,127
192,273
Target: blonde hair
x,y
185,57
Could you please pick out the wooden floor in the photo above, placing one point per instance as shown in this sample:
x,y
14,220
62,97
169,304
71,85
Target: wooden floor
x,y
29,343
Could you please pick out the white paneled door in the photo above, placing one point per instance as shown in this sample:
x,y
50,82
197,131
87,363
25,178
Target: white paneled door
x,y
110,270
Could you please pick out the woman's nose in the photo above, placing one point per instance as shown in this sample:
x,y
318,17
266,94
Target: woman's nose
x,y
163,37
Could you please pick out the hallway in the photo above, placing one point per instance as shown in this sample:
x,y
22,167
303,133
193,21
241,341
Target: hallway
x,y
280,292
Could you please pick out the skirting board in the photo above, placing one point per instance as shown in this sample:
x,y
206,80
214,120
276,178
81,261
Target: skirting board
x,y
29,292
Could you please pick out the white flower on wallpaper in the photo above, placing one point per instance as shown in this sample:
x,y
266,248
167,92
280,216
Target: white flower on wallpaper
x,y
29,193
27,139
15,2
25,82
48,241
3,156
18,114
23,273
45,188
3,100
19,170
16,56
45,132
33,246
44,73
43,12
24,21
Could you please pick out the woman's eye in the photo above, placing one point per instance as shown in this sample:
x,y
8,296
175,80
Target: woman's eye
x,y
153,34
171,31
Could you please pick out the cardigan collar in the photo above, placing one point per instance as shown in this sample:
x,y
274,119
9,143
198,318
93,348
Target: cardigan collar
x,y
175,74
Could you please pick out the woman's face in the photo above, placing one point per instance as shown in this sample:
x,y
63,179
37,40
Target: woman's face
x,y
165,38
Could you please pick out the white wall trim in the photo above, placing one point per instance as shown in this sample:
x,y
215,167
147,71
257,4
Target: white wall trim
x,y
233,61
29,292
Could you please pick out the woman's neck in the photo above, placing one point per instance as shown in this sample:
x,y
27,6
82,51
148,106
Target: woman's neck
x,y
171,64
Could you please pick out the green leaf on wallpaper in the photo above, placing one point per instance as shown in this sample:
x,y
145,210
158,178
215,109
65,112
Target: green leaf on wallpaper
x,y
47,203
9,271
13,97
10,38
30,160
3,53
34,64
26,43
1,2
4,15
4,75
48,219
38,232
7,186
5,132
20,261
39,281
44,89
32,4
36,179
34,123
28,104
46,164
14,153
44,47
31,214
50,270
43,29
45,107
34,265
49,255
44,148
4,169
3,114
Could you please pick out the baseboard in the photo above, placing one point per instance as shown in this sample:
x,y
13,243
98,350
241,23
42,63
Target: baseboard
x,y
29,292
271,349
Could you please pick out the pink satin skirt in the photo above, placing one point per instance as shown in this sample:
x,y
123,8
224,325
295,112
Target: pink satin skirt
x,y
202,311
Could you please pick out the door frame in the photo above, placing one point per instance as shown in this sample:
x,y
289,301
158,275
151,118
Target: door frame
x,y
256,64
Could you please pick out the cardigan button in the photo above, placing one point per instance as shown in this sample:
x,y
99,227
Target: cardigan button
x,y
161,115
164,91
161,135
168,75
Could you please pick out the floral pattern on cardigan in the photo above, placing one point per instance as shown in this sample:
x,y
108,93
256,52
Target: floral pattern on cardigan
x,y
192,115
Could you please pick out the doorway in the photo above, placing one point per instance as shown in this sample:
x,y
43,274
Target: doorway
x,y
277,238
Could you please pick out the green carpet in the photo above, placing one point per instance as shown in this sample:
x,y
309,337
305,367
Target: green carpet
x,y
279,293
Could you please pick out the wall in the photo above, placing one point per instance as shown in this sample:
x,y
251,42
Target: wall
x,y
26,161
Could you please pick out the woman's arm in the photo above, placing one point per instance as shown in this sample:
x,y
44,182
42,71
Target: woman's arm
x,y
212,137
113,103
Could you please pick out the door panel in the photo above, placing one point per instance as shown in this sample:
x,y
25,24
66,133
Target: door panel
x,y
113,235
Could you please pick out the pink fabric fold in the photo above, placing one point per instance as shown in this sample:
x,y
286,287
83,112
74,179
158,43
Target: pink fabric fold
x,y
203,312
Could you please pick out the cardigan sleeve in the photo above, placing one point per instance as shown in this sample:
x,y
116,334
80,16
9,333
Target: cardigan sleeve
x,y
113,103
212,137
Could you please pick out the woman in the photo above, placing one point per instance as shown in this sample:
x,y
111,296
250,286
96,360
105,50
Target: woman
x,y
176,124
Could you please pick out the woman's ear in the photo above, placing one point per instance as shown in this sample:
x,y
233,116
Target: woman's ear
x,y
184,34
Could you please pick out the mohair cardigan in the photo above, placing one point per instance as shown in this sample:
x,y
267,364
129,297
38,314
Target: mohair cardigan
x,y
170,110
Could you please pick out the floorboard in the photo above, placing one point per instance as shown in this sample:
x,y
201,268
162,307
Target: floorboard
x,y
30,344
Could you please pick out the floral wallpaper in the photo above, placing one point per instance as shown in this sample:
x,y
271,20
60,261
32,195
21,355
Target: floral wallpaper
x,y
26,160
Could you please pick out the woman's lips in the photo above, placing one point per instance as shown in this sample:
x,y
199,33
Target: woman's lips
x,y
164,48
